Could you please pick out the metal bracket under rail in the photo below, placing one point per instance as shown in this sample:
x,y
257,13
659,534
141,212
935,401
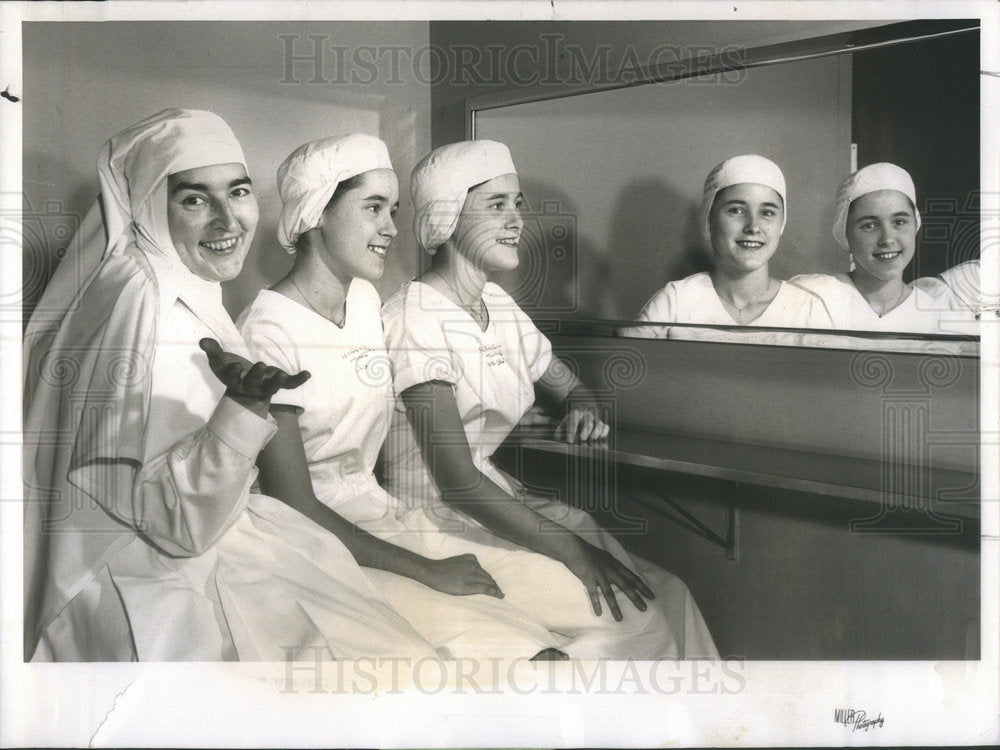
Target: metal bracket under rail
x,y
729,543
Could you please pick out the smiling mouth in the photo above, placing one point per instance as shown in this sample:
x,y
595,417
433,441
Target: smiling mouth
x,y
508,241
886,257
750,244
378,250
222,246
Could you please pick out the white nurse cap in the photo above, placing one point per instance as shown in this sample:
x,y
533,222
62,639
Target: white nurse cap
x,y
442,179
308,178
748,168
881,176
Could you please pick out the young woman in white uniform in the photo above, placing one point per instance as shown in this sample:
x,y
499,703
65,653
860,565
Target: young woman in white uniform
x,y
466,362
876,223
339,196
743,214
142,540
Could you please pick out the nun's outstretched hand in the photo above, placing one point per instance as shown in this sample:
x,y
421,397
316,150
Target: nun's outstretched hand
x,y
249,384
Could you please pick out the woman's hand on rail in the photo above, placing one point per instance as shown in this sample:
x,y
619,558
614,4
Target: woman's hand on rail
x,y
460,575
583,422
534,417
600,571
248,384
581,425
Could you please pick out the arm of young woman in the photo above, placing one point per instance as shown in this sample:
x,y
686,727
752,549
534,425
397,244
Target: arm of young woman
x,y
582,420
284,474
433,414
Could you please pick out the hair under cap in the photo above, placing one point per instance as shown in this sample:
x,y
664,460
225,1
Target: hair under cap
x,y
308,178
748,168
880,176
441,181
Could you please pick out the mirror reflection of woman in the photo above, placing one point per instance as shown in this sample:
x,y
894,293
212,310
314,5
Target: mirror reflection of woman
x,y
876,223
467,363
339,198
143,540
743,214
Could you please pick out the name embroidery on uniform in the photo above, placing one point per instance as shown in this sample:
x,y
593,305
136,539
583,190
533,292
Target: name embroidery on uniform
x,y
492,354
359,356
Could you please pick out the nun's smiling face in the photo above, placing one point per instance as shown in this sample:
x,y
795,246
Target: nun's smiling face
x,y
212,214
882,234
745,224
489,227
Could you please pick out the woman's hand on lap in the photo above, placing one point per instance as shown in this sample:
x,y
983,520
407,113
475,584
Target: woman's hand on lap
x,y
599,571
248,384
460,575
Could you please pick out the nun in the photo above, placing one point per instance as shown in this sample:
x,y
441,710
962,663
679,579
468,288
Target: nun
x,y
143,540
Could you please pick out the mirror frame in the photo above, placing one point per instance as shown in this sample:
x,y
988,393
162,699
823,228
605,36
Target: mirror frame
x,y
752,57
803,49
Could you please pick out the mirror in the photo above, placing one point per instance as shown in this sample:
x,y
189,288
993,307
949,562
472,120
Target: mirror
x,y
613,173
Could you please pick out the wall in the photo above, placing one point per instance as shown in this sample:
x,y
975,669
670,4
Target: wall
x,y
84,82
824,401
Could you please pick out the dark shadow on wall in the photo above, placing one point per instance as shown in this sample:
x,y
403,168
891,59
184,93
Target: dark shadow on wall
x,y
550,278
566,272
646,213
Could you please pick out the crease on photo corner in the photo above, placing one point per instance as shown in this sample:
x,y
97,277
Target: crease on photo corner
x,y
114,706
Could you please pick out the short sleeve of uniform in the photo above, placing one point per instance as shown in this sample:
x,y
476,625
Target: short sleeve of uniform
x,y
661,308
267,335
826,292
818,315
416,341
535,346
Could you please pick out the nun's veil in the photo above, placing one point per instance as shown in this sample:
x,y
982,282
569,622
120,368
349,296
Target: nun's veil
x,y
88,352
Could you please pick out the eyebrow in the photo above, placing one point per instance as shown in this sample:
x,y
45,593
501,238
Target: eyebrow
x,y
377,197
873,217
743,202
202,187
495,196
